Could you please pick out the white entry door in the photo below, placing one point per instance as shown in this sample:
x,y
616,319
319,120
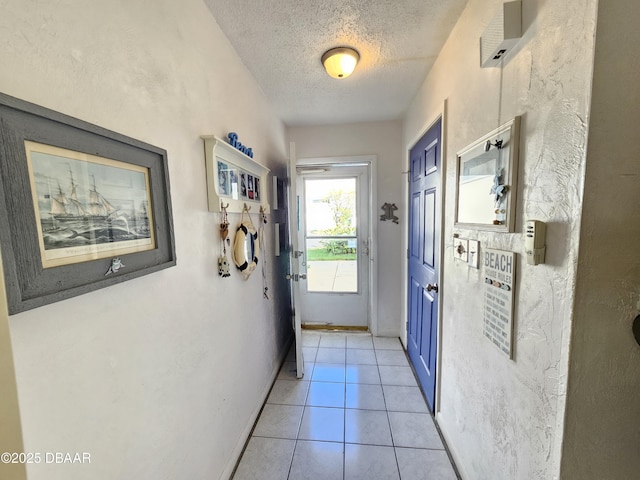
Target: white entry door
x,y
334,234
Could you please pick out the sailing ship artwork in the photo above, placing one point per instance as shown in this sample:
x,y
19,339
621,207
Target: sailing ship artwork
x,y
88,207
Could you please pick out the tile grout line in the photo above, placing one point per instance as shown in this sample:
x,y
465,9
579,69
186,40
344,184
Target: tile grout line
x,y
344,414
393,441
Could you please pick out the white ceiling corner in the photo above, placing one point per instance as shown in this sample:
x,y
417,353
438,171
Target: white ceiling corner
x,y
281,42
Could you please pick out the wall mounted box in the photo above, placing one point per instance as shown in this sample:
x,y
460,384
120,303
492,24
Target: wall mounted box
x,y
501,35
233,178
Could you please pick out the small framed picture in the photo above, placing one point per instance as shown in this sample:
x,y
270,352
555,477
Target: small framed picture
x,y
256,189
233,183
223,178
250,191
243,184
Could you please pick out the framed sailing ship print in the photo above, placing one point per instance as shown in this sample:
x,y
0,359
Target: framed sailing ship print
x,y
81,207
80,218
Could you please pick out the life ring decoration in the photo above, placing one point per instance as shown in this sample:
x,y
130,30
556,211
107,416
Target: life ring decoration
x,y
246,246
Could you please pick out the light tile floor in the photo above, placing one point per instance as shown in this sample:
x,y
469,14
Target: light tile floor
x,y
357,414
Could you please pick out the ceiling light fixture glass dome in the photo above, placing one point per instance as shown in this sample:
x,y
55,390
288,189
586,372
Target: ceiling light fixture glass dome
x,y
340,62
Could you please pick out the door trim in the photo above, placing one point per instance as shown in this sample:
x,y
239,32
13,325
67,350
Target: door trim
x,y
439,115
372,161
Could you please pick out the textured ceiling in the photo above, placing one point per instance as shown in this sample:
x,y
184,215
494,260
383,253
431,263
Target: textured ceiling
x,y
281,42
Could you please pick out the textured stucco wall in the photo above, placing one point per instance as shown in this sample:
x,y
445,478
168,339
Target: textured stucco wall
x,y
602,433
158,377
503,419
382,139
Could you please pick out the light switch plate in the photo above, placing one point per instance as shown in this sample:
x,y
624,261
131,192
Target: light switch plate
x,y
474,253
460,249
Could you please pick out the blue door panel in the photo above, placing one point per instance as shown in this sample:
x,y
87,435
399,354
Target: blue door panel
x,y
416,167
429,229
414,314
415,226
425,332
431,157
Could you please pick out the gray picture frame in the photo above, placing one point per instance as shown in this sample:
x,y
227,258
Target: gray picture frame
x,y
28,283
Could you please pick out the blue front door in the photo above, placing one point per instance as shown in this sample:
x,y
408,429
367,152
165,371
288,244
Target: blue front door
x,y
424,257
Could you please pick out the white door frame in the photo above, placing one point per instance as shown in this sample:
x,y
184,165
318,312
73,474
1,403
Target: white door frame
x,y
294,260
442,113
371,160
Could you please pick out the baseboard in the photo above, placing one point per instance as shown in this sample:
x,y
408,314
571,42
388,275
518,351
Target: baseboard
x,y
334,328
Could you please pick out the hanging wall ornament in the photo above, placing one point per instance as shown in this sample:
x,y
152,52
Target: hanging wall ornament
x,y
223,261
246,245
499,189
263,222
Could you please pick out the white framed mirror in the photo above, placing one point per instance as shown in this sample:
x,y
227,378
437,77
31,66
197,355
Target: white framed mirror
x,y
486,180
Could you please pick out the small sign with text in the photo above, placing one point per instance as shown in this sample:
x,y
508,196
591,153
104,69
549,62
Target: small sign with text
x,y
499,279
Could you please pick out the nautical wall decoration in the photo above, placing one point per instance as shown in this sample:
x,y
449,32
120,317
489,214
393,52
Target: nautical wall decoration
x,y
263,222
246,245
223,261
88,207
233,177
116,265
78,203
233,141
499,279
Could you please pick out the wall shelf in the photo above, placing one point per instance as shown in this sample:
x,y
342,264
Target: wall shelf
x,y
234,178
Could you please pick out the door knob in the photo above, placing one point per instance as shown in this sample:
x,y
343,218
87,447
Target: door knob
x,y
432,287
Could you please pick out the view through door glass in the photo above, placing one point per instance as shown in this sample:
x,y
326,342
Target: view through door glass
x,y
331,235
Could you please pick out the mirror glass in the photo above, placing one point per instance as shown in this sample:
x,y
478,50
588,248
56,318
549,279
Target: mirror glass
x,y
475,202
249,245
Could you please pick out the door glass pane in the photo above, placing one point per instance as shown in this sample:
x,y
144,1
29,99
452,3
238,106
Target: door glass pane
x,y
330,206
331,242
332,265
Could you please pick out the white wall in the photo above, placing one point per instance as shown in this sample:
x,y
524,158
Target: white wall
x,y
602,434
503,419
382,139
10,428
158,377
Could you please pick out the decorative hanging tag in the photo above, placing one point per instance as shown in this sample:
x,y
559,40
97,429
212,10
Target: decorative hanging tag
x,y
223,266
224,221
263,222
224,231
223,261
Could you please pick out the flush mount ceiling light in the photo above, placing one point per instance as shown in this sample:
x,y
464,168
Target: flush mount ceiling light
x,y
340,62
